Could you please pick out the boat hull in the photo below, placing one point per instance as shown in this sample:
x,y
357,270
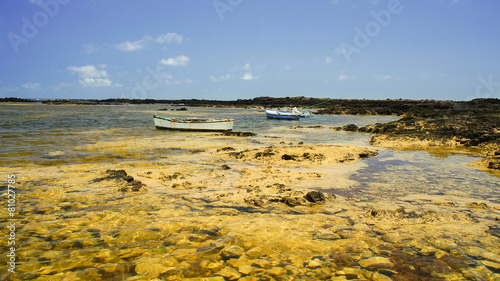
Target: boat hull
x,y
208,125
281,115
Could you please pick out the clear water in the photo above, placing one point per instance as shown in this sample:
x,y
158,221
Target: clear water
x,y
70,227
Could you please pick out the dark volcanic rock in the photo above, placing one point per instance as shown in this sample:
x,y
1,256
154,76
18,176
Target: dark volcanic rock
x,y
350,128
227,148
125,182
114,174
494,164
294,201
315,197
288,157
239,134
290,197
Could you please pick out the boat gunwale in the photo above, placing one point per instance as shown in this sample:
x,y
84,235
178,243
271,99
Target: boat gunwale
x,y
192,120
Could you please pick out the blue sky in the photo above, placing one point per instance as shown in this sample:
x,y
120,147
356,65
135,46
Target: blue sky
x,y
239,49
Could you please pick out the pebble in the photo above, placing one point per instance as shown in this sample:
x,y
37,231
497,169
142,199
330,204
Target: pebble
x,y
249,278
257,252
276,271
380,277
339,278
213,265
216,278
376,261
113,270
232,251
229,272
150,267
262,263
246,269
242,261
314,263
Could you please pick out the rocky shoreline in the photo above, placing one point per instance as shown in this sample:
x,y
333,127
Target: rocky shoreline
x,y
463,126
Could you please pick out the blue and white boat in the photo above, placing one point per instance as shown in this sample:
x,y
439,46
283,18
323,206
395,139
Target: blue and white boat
x,y
288,114
285,115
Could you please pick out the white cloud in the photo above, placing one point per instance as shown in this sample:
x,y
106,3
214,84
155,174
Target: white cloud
x,y
96,82
328,60
88,71
177,61
91,76
129,46
247,66
249,76
31,86
169,38
221,78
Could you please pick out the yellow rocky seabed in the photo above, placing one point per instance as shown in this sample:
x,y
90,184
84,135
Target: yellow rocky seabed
x,y
198,218
490,152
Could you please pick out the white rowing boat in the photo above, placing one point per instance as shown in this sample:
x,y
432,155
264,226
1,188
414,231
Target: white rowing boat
x,y
193,124
293,114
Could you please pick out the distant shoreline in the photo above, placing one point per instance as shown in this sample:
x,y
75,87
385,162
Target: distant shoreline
x,y
426,124
398,107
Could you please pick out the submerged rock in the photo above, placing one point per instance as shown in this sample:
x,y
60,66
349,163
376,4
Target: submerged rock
x,y
494,163
290,197
377,262
475,205
232,251
229,273
125,182
302,155
239,134
425,217
350,128
315,197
